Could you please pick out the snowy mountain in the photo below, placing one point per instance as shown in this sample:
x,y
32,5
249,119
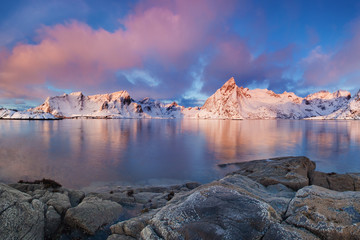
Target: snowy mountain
x,y
25,115
113,105
233,102
349,111
228,102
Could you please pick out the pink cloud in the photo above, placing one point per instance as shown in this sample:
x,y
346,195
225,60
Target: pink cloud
x,y
75,55
321,68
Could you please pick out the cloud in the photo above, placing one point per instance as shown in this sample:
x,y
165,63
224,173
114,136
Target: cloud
x,y
154,53
323,68
74,55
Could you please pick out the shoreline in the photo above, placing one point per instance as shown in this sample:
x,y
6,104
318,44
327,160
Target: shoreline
x,y
288,190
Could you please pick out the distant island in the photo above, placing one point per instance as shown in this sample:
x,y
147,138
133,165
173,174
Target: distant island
x,y
228,102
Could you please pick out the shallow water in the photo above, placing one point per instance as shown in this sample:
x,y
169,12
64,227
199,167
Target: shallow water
x,y
94,152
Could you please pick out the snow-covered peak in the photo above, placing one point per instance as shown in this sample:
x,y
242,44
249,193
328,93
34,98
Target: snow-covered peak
x,y
228,86
326,95
76,94
342,93
228,102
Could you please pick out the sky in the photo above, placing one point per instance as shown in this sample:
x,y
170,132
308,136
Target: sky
x,y
181,50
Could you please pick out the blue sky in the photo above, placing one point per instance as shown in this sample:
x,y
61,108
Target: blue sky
x,y
175,50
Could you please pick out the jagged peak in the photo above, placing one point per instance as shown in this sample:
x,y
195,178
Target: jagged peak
x,y
230,82
342,93
76,94
118,94
228,85
323,94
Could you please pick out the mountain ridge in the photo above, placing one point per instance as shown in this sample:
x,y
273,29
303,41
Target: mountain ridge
x,y
229,102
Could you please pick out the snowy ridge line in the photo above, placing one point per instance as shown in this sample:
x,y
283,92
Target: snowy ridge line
x,y
228,102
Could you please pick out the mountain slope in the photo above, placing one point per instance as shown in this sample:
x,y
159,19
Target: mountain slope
x,y
233,102
351,111
113,105
228,102
25,115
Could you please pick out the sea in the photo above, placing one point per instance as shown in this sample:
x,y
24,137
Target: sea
x,y
94,153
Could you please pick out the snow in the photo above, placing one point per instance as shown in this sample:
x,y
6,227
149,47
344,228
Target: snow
x,y
228,102
25,115
350,111
233,102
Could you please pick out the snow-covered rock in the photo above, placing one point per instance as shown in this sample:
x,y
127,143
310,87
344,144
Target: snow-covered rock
x,y
350,111
25,115
228,102
113,105
233,102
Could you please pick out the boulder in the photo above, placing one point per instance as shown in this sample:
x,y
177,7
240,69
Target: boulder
x,y
21,217
215,211
26,187
149,233
92,213
52,222
334,181
60,201
192,185
284,232
75,197
133,226
326,213
292,172
278,196
119,237
356,177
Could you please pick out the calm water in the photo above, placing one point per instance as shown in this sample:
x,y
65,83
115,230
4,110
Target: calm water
x,y
83,153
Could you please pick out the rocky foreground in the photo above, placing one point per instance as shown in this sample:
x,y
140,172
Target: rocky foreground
x,y
280,198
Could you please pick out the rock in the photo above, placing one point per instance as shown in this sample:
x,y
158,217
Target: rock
x,y
119,237
334,181
134,226
280,191
326,213
278,196
21,217
76,197
285,232
149,233
292,172
119,197
60,201
214,211
145,197
92,213
356,177
192,185
52,222
25,187
319,179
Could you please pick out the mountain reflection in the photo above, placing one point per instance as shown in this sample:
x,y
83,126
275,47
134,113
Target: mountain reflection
x,y
78,153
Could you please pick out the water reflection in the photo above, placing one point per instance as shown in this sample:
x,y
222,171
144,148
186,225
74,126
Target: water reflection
x,y
78,153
